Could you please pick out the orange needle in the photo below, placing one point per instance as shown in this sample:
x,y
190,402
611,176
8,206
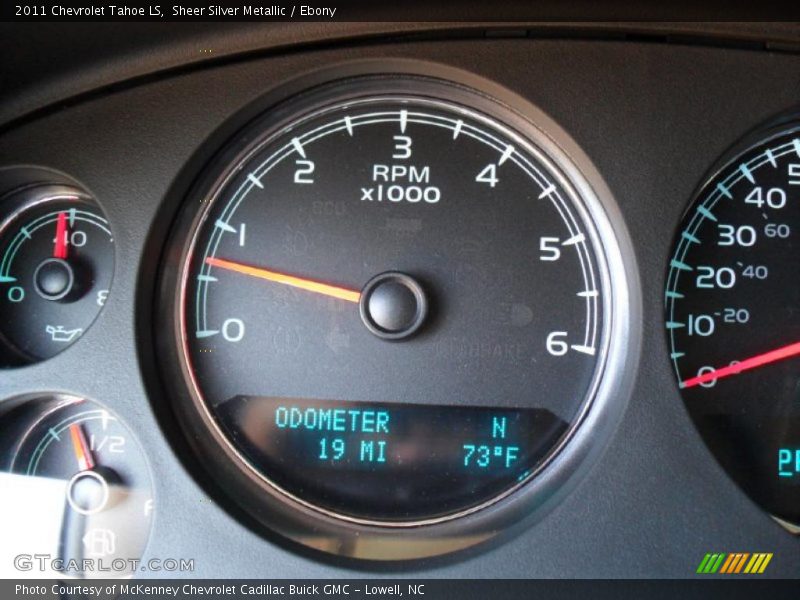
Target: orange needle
x,y
299,282
81,448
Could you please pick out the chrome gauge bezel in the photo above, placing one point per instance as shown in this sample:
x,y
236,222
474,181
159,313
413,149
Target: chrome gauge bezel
x,y
345,535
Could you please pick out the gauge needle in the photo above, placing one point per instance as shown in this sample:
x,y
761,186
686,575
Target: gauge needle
x,y
745,365
81,448
310,285
60,250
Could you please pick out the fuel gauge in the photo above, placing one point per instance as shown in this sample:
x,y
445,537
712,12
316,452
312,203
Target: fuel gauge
x,y
56,266
77,489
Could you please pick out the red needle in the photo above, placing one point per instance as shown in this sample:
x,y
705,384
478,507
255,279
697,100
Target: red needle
x,y
309,285
81,448
60,250
750,363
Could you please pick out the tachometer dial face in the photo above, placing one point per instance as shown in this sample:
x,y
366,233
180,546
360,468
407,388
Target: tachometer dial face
x,y
392,307
56,266
732,302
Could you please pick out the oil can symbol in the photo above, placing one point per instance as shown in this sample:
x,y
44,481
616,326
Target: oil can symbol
x,y
58,333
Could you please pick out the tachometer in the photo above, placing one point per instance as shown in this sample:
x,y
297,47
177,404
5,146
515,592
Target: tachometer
x,y
394,304
732,302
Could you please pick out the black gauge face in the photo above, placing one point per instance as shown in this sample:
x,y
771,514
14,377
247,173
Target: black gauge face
x,y
393,308
78,488
732,302
56,265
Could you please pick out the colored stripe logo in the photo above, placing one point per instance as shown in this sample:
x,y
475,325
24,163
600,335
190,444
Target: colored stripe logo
x,y
734,563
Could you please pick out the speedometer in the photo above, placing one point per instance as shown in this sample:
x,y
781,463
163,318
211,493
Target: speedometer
x,y
732,303
394,307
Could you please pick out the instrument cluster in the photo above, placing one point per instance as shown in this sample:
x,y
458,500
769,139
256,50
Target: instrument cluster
x,y
388,310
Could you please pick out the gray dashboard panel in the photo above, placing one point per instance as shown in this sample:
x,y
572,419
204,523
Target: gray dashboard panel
x,y
652,117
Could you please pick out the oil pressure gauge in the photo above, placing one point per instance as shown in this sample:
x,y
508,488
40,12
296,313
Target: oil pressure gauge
x,y
56,266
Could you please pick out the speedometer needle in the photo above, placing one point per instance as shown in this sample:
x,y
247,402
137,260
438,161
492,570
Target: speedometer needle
x,y
745,365
291,280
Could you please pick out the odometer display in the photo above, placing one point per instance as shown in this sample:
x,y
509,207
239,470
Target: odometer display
x,y
392,460
732,305
393,305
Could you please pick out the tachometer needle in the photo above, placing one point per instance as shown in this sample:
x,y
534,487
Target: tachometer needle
x,y
745,365
310,285
60,249
81,447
